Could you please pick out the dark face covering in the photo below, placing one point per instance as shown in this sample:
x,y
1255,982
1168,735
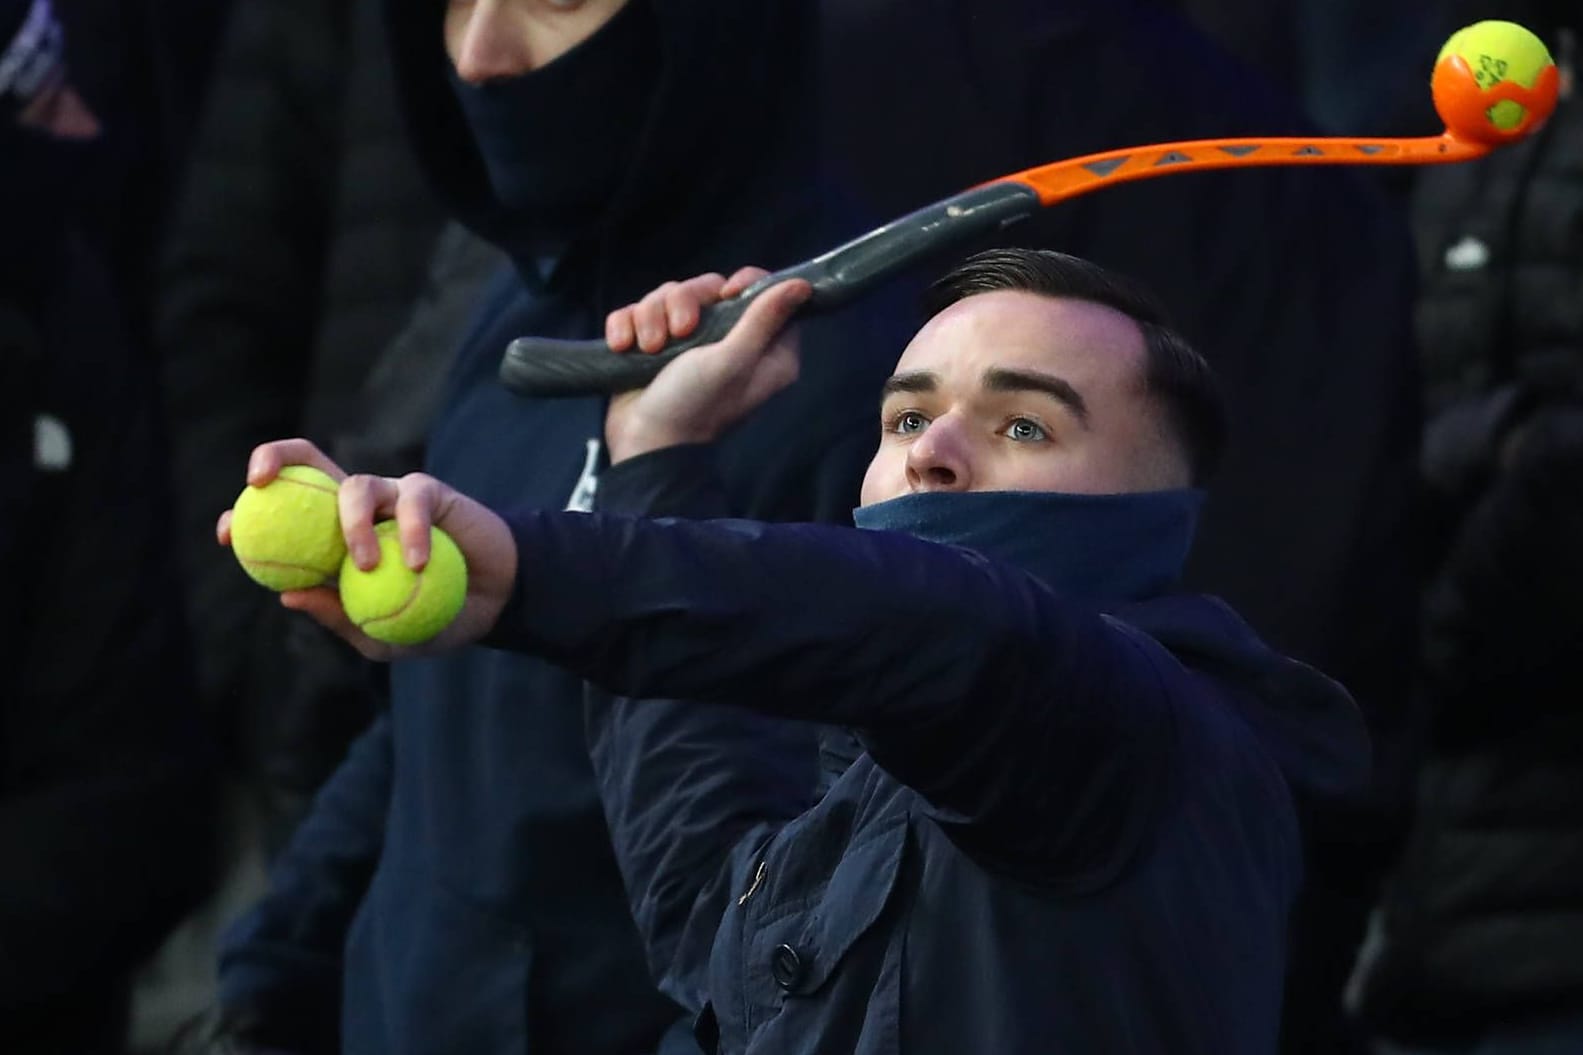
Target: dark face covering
x,y
1101,548
557,143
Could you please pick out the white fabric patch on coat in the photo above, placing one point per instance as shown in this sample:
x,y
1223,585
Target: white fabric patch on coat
x,y
51,444
582,499
1469,254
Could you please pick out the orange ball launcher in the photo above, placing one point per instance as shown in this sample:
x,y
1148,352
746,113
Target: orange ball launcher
x,y
542,367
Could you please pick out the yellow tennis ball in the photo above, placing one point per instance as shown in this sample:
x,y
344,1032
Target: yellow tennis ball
x,y
396,605
287,534
1498,51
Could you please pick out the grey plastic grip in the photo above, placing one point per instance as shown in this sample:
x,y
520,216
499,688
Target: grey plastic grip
x,y
538,366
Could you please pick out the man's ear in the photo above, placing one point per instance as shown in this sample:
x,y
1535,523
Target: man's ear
x,y
1164,464
1163,461
1168,469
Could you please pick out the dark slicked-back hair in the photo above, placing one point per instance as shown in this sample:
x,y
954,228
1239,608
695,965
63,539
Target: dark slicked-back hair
x,y
1175,374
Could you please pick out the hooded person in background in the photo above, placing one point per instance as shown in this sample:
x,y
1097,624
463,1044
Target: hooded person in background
x,y
104,823
453,888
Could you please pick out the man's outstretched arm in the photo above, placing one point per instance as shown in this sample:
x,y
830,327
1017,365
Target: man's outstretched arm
x,y
1036,728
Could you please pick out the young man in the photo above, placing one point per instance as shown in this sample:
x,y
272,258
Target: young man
x,y
1073,821
609,145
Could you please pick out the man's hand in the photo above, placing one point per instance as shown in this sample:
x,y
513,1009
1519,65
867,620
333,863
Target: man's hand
x,y
708,389
415,502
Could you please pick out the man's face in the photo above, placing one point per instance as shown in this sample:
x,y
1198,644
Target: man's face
x,y
1013,391
490,40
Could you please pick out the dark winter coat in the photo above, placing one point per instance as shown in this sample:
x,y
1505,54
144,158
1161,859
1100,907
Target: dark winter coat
x,y
1480,924
1068,830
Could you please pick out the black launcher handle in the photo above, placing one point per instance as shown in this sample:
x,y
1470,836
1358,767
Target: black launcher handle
x,y
539,366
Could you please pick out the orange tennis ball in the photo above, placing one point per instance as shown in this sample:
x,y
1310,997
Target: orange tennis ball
x,y
1494,81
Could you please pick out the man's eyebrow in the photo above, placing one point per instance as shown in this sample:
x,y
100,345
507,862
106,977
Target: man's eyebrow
x,y
912,381
998,379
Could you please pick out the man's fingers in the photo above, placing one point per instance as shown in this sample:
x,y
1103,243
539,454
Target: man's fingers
x,y
741,279
321,602
619,330
416,504
651,320
222,529
707,286
686,302
682,309
672,310
268,459
769,314
362,500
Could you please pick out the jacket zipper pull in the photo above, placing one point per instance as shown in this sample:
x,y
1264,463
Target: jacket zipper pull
x,y
758,877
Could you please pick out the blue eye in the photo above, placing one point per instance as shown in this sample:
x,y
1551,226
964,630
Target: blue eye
x,y
908,422
1025,430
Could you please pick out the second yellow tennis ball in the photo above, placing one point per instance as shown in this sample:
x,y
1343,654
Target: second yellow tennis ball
x,y
396,605
287,534
1500,51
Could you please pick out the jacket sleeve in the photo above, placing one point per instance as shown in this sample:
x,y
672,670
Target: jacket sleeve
x,y
281,962
690,790
239,295
1037,730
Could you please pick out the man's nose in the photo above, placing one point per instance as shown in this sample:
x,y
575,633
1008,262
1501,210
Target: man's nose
x,y
492,48
940,459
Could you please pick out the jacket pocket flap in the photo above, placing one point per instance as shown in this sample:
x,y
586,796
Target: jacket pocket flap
x,y
858,891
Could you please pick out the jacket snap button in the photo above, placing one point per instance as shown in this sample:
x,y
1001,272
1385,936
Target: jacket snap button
x,y
787,966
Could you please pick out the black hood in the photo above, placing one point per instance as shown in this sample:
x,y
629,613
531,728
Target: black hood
x,y
721,93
